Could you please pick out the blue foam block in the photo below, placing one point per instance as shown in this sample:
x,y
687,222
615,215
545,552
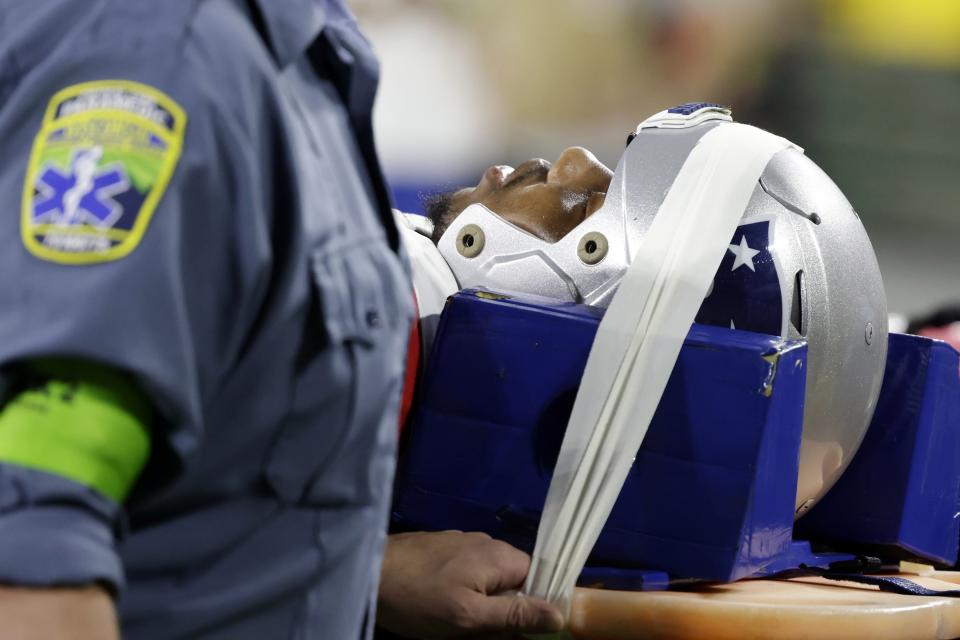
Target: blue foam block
x,y
711,492
902,488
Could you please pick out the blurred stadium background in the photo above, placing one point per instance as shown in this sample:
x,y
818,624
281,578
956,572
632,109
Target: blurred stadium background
x,y
870,88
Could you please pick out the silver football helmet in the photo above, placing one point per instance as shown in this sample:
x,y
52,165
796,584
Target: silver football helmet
x,y
800,265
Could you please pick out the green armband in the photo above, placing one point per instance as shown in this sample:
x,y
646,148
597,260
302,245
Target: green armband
x,y
83,421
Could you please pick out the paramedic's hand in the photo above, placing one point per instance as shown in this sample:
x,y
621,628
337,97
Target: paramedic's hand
x,y
453,584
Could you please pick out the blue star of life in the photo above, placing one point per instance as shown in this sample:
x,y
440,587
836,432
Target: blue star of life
x,y
82,197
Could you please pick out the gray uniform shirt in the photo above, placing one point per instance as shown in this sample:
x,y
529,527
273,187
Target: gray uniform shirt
x,y
264,310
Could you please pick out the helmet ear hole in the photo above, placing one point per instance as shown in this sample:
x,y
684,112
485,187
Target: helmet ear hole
x,y
470,241
796,306
593,248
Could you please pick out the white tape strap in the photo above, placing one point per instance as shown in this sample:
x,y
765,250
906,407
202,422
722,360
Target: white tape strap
x,y
637,345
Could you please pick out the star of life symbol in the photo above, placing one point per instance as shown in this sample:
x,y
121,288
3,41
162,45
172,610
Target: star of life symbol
x,y
84,196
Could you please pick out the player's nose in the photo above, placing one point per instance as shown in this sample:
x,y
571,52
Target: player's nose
x,y
577,167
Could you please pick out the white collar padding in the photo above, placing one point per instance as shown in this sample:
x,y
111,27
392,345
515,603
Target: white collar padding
x,y
433,281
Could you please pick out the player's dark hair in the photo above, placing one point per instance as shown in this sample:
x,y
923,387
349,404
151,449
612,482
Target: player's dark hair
x,y
439,208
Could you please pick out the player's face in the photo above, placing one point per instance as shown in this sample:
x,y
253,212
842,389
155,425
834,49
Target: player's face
x,y
546,200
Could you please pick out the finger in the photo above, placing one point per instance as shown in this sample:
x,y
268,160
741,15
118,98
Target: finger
x,y
518,613
507,567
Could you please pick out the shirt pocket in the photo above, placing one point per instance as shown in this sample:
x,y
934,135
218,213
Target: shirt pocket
x,y
338,442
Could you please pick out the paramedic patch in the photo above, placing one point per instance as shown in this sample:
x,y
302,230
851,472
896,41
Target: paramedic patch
x,y
98,168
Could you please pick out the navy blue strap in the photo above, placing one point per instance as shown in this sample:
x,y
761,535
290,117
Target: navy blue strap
x,y
857,570
892,584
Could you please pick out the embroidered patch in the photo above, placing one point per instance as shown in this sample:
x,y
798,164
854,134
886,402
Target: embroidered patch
x,y
99,166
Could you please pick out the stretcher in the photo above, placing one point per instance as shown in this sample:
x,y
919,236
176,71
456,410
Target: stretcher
x,y
798,609
706,517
